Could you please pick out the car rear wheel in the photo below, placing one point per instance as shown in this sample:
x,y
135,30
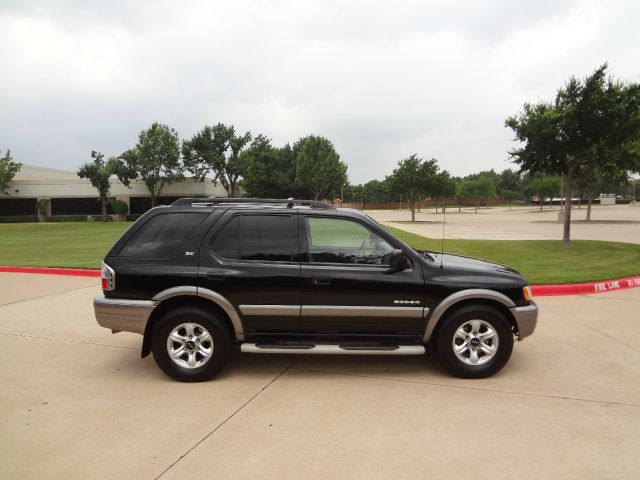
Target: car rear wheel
x,y
191,344
474,341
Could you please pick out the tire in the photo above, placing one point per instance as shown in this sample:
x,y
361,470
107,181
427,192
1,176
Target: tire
x,y
191,344
474,341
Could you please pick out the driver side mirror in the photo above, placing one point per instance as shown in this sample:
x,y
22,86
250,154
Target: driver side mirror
x,y
398,261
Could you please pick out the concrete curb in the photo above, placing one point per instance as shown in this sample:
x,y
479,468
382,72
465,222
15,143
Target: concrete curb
x,y
70,272
585,288
537,290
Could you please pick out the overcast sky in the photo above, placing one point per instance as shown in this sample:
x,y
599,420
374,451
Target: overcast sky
x,y
382,80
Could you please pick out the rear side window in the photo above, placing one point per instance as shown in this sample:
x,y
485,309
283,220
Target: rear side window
x,y
162,235
255,237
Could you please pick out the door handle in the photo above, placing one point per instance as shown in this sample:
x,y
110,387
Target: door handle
x,y
215,276
321,281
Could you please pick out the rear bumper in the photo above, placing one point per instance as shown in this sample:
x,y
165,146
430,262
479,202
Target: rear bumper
x,y
123,315
526,319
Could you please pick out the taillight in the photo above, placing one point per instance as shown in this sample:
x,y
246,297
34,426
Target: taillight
x,y
108,277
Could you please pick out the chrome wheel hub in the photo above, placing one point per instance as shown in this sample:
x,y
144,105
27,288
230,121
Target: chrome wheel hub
x,y
190,345
475,342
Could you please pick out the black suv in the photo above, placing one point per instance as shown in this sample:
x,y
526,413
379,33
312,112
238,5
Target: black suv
x,y
287,276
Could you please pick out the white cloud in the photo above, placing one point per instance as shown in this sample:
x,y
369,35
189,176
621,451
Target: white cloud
x,y
381,80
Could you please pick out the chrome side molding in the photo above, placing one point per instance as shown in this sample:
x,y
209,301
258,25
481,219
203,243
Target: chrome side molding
x,y
361,311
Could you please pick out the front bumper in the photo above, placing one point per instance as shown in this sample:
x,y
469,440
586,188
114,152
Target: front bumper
x,y
526,318
122,315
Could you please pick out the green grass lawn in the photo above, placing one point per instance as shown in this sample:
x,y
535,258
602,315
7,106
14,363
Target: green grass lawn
x,y
74,244
544,261
83,245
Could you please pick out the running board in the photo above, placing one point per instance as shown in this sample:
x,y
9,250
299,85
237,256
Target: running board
x,y
333,349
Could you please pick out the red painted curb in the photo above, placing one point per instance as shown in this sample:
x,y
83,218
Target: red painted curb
x,y
585,288
72,272
537,290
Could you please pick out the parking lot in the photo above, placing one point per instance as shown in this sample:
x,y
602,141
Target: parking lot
x,y
77,402
614,223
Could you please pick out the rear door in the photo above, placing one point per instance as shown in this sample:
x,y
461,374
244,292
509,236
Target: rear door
x,y
251,258
345,287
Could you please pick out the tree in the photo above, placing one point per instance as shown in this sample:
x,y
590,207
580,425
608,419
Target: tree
x,y
155,159
318,167
544,188
218,150
599,177
8,170
463,191
98,173
270,171
444,187
414,178
509,181
42,207
480,189
560,137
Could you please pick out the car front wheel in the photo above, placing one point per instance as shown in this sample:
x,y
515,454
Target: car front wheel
x,y
475,341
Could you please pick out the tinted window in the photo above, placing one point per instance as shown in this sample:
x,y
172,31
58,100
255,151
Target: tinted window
x,y
266,237
255,237
334,240
162,235
227,243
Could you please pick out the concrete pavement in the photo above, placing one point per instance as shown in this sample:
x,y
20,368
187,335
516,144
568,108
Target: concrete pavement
x,y
77,402
616,223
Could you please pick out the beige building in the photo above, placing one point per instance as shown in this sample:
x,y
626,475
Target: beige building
x,y
71,195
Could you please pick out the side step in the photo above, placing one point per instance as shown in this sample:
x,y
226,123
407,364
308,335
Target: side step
x,y
310,348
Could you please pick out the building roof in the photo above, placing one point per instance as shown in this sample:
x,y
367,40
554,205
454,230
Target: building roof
x,y
36,172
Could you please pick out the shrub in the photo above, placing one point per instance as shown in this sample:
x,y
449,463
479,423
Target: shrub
x,y
100,218
120,208
67,218
18,218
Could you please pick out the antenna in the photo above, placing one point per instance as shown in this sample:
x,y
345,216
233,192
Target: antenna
x,y
444,220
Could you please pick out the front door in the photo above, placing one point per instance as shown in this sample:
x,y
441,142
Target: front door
x,y
345,288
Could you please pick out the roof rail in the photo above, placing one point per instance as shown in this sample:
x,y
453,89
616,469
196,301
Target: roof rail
x,y
290,202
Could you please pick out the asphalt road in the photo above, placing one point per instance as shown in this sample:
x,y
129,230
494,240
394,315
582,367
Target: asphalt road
x,y
77,402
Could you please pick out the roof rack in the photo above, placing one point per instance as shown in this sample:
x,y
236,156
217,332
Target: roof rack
x,y
289,202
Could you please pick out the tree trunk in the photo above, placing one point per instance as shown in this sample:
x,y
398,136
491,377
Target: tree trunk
x,y
589,202
561,193
476,206
103,201
540,198
436,203
444,205
566,231
413,210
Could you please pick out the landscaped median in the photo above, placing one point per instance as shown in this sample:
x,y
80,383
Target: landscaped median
x,y
586,267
